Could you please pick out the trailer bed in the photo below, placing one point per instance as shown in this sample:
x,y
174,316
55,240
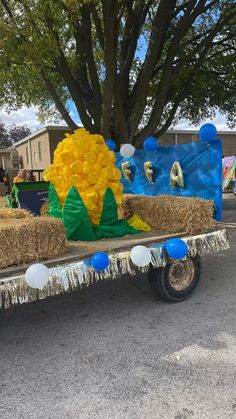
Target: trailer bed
x,y
71,271
78,251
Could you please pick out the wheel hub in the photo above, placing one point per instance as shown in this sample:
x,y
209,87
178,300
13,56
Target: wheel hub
x,y
181,274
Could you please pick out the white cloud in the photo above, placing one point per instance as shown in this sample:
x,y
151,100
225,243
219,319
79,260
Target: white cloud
x,y
22,116
219,121
28,116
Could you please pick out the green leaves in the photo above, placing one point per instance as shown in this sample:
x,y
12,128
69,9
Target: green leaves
x,y
109,212
55,209
76,220
170,60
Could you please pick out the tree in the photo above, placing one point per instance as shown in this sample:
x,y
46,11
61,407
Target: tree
x,y
18,132
131,67
11,134
5,141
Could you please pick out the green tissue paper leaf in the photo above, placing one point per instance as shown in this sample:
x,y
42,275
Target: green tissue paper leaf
x,y
76,219
109,212
55,209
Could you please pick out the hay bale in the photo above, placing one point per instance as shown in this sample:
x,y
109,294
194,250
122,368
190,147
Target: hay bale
x,y
170,213
14,213
30,239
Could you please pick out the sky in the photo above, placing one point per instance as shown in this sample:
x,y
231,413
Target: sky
x,y
28,116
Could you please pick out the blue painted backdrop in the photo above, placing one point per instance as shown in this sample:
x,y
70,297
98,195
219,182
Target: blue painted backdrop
x,y
201,163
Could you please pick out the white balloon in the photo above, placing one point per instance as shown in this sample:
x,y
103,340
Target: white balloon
x,y
127,150
37,275
140,256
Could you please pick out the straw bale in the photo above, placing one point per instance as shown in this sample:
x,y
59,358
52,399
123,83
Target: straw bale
x,y
30,240
11,213
170,213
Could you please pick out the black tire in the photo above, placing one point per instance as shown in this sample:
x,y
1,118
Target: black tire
x,y
174,288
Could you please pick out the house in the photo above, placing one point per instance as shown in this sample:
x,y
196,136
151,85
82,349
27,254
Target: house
x,y
8,162
35,152
8,159
175,136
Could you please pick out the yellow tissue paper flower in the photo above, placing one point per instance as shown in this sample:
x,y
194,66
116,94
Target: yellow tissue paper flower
x,y
83,160
137,222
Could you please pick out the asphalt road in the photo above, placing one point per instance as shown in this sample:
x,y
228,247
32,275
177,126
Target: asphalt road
x,y
113,352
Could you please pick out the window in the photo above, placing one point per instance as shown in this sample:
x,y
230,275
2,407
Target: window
x,y
27,155
39,151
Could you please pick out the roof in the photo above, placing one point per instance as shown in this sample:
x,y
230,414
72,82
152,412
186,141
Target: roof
x,y
6,150
196,131
35,134
65,128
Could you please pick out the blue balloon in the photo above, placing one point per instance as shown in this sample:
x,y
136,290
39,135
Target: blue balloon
x,y
151,144
100,261
111,144
87,262
176,248
207,132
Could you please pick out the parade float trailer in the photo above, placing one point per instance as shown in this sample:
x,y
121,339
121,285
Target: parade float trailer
x,y
155,211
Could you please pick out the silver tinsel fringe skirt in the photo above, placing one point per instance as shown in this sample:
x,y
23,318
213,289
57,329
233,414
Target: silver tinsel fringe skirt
x,y
77,275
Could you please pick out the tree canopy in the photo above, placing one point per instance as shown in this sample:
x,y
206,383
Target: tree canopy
x,y
11,134
131,67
